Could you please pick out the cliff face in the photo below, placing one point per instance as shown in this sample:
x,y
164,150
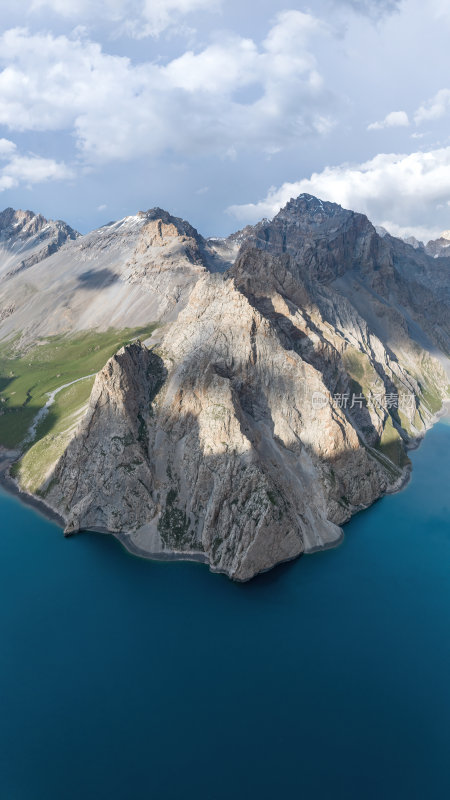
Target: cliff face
x,y
324,238
230,460
278,403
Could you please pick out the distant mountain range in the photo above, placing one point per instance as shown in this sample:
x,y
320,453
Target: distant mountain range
x,y
292,366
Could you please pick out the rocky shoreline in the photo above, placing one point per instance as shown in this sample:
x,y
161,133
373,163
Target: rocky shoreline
x,y
39,505
7,482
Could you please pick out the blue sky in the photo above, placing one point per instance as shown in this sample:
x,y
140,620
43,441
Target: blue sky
x,y
220,110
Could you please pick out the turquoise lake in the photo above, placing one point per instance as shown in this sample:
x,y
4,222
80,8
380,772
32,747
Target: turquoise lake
x,y
327,678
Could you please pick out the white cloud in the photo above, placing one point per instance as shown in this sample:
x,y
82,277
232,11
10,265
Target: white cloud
x,y
404,188
436,108
194,103
6,182
140,18
395,119
28,169
7,148
34,169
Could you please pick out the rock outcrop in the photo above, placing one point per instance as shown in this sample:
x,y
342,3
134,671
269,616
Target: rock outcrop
x,y
229,459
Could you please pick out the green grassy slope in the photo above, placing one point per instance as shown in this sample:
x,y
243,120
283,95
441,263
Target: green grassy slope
x,y
26,378
52,436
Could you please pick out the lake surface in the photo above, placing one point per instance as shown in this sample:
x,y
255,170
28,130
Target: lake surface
x,y
327,678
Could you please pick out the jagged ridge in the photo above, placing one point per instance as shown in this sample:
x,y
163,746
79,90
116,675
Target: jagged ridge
x,y
210,445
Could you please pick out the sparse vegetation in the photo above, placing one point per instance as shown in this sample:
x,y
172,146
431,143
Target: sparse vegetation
x,y
431,398
174,524
391,445
52,436
355,363
360,371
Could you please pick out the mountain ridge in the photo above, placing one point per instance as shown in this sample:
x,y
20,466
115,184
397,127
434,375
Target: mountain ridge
x,y
277,398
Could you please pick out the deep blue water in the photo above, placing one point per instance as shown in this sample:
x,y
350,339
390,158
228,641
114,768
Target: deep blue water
x,y
327,678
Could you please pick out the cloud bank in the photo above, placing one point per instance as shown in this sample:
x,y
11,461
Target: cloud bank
x,y
388,187
232,95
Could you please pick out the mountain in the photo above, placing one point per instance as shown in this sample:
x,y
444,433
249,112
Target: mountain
x,y
126,273
413,242
26,239
439,247
279,397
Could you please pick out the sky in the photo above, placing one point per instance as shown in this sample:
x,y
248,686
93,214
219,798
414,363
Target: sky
x,y
220,111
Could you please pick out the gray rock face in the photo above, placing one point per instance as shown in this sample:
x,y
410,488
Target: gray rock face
x,y
238,440
324,238
439,247
112,444
418,245
331,246
27,238
231,459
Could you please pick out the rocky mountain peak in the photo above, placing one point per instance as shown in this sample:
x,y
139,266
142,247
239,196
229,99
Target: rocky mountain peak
x,y
323,239
27,238
310,215
416,243
25,224
439,247
169,225
306,204
20,223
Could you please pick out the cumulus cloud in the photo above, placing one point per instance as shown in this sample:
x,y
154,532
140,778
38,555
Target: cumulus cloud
x,y
7,148
232,95
28,169
395,119
34,169
140,18
436,108
403,188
